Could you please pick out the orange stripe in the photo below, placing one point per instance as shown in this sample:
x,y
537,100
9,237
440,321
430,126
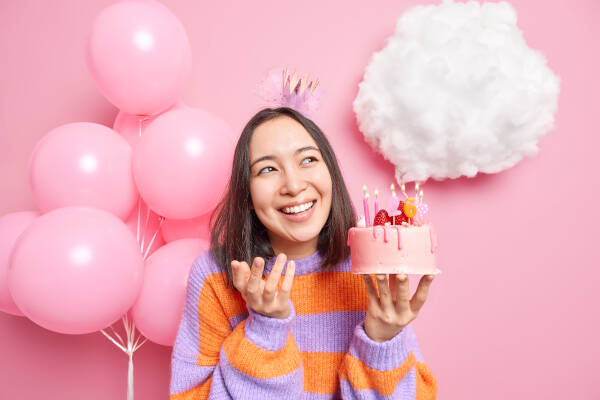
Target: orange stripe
x,y
214,326
330,291
231,300
426,383
320,371
362,376
243,356
199,392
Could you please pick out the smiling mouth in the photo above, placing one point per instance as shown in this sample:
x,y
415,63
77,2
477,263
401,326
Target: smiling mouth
x,y
298,209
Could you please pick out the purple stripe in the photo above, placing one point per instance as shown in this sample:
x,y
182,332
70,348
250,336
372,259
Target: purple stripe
x,y
185,375
184,371
207,264
413,344
326,332
242,386
405,389
187,342
269,333
382,356
331,331
308,265
320,396
234,321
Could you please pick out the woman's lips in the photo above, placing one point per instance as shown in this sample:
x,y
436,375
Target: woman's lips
x,y
301,216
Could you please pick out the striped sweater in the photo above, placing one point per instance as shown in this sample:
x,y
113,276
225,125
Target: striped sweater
x,y
321,351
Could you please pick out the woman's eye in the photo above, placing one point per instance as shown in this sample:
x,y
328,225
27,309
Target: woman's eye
x,y
308,158
265,169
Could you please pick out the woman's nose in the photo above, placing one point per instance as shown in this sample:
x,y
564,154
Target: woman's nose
x,y
294,183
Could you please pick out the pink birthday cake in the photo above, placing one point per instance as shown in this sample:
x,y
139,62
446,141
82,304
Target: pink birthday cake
x,y
393,244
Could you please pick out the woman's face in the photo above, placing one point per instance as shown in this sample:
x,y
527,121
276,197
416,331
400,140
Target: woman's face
x,y
290,185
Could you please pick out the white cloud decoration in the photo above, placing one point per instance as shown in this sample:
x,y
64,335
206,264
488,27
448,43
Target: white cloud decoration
x,y
456,91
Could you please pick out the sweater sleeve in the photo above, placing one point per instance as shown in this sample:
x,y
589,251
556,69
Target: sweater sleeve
x,y
388,370
258,359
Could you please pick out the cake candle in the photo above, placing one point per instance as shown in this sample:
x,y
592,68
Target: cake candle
x,y
366,206
393,201
410,210
375,203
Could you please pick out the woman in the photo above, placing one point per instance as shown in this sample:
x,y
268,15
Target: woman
x,y
329,335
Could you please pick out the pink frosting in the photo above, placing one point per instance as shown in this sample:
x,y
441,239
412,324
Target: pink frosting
x,y
432,239
411,252
399,236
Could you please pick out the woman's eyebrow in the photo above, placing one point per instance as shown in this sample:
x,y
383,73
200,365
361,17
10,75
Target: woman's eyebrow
x,y
270,157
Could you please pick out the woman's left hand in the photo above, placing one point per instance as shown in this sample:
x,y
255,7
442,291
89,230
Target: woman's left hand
x,y
393,309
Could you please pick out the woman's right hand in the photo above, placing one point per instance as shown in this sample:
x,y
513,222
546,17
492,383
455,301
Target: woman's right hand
x,y
262,295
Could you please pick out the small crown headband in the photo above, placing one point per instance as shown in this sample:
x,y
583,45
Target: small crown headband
x,y
284,88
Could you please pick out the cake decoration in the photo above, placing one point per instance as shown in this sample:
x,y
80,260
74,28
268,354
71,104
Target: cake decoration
x,y
381,218
366,205
393,201
399,239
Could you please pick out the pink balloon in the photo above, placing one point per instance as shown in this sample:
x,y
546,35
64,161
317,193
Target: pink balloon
x,y
11,227
128,125
146,231
158,309
139,56
182,163
83,164
75,270
174,229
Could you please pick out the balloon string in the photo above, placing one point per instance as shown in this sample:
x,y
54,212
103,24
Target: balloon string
x,y
117,335
113,340
161,220
130,377
145,226
140,198
133,343
140,121
138,218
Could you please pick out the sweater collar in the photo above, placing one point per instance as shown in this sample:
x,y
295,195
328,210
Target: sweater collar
x,y
304,265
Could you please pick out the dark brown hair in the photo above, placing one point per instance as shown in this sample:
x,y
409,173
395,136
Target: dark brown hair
x,y
236,231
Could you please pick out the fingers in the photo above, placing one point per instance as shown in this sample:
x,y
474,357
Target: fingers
x,y
240,274
288,279
421,293
385,296
273,279
394,287
253,289
402,294
371,292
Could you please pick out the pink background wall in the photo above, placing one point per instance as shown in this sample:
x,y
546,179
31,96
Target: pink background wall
x,y
514,315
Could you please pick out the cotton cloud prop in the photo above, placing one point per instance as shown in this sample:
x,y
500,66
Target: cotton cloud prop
x,y
456,91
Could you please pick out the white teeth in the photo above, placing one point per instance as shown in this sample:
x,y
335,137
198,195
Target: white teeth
x,y
298,209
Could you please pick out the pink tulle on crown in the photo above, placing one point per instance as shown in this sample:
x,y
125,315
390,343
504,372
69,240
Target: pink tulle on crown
x,y
283,88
